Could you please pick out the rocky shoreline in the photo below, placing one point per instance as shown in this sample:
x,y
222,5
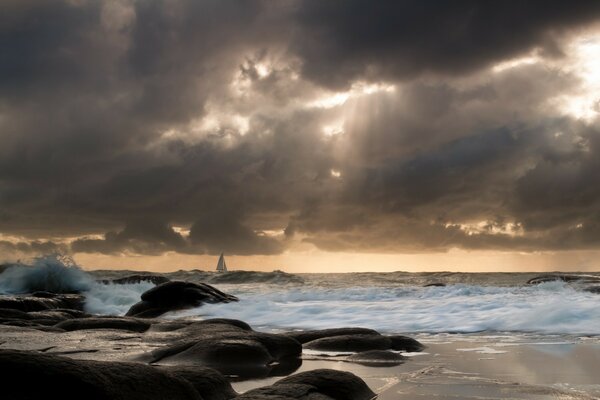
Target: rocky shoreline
x,y
48,338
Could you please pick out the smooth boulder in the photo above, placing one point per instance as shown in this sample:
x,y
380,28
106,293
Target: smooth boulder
x,y
177,295
319,384
118,323
56,377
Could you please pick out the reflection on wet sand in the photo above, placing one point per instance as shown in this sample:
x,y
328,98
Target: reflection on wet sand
x,y
481,367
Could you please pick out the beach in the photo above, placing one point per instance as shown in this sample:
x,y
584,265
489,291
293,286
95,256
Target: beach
x,y
429,335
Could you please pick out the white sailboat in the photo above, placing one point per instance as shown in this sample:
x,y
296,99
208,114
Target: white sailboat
x,y
221,266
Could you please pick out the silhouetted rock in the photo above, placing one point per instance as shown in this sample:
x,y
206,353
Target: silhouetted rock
x,y
564,278
119,323
230,349
210,384
351,343
55,377
137,278
310,335
377,358
406,344
177,295
35,303
320,384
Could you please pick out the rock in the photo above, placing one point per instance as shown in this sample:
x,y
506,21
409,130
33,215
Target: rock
x,y
351,343
308,336
435,284
9,313
593,289
565,278
137,278
210,384
36,303
377,358
406,344
177,295
55,377
230,349
319,384
119,323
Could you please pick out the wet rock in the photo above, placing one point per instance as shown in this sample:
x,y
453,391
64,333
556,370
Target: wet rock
x,y
36,303
564,278
593,289
177,295
230,349
406,344
377,358
310,335
9,313
56,377
351,343
119,323
137,278
320,384
210,384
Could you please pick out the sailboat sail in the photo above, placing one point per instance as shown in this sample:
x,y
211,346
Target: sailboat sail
x,y
221,266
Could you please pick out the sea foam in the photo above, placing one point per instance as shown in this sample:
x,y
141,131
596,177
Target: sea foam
x,y
552,307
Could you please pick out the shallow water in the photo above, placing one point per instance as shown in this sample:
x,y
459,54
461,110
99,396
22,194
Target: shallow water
x,y
481,367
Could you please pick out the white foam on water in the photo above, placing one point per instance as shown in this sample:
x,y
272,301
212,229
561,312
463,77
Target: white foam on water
x,y
52,274
111,299
552,307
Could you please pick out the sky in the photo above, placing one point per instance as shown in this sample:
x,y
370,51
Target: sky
x,y
306,136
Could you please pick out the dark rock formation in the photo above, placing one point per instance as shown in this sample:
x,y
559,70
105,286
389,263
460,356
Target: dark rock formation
x,y
406,344
565,278
435,284
377,358
210,384
137,278
230,347
55,377
354,340
351,343
177,295
120,323
308,336
37,303
320,384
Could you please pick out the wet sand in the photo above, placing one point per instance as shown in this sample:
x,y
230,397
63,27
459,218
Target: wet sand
x,y
480,367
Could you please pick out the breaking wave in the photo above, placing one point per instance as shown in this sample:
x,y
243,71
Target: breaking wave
x,y
552,307
50,274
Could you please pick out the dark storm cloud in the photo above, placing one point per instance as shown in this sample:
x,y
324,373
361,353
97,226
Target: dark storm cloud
x,y
123,124
343,41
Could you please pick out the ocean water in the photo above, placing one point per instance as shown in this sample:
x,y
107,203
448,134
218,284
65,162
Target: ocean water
x,y
394,302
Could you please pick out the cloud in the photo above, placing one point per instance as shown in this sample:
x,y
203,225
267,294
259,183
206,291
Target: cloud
x,y
359,127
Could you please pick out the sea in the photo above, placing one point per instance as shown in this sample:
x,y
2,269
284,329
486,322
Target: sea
x,y
392,302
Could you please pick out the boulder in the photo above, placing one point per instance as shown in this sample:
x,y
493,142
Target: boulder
x,y
177,295
377,358
55,377
137,278
230,349
37,303
564,278
351,343
319,384
210,384
310,335
119,323
406,344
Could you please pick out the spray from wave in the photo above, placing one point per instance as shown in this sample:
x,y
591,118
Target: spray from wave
x,y
53,273
60,274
